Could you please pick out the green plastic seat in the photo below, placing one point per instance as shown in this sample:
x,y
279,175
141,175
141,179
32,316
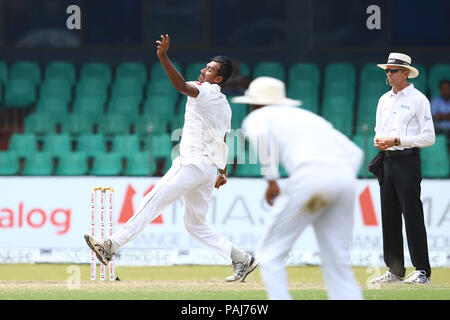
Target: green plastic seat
x,y
107,164
193,70
38,164
435,159
304,72
339,111
56,107
437,72
92,106
339,72
366,117
177,121
26,70
371,73
57,144
158,73
269,69
128,88
420,82
72,164
40,124
139,164
132,70
23,144
96,70
76,124
147,124
114,123
365,142
161,146
20,93
161,88
307,92
244,69
9,163
339,89
161,105
56,88
61,70
92,87
91,144
238,113
3,72
125,105
126,144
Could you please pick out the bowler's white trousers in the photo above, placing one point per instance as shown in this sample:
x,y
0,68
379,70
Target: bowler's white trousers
x,y
321,196
195,184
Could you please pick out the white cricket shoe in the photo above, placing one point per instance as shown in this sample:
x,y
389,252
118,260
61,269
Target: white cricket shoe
x,y
242,269
102,248
418,277
388,277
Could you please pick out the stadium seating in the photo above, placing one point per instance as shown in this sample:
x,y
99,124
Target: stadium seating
x,y
193,70
305,91
40,124
127,88
76,124
272,69
26,70
161,105
157,71
125,144
20,92
56,88
91,144
132,70
56,107
147,124
420,82
3,72
139,164
57,145
114,123
23,144
61,70
92,106
127,106
38,164
437,72
92,87
96,70
435,159
339,111
365,142
107,164
72,164
9,163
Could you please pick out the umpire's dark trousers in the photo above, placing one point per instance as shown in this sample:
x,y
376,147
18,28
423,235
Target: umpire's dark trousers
x,y
400,193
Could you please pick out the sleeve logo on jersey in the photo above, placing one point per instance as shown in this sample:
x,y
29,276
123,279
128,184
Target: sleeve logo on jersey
x,y
198,82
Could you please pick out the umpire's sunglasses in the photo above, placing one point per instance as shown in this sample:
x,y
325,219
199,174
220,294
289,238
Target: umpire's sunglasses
x,y
392,70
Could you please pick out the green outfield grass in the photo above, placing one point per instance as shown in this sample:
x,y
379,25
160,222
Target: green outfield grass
x,y
60,281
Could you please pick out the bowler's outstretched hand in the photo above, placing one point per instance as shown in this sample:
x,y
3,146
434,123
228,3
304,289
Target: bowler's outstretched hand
x,y
163,45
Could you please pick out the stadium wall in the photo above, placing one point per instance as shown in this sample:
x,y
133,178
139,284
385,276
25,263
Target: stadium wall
x,y
43,219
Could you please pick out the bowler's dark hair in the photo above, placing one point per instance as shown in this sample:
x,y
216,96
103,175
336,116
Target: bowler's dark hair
x,y
226,67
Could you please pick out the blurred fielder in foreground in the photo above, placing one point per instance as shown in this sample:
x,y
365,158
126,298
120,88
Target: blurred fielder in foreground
x,y
193,174
322,165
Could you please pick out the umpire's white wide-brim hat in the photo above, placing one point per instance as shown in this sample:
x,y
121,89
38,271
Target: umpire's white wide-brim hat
x,y
266,91
401,60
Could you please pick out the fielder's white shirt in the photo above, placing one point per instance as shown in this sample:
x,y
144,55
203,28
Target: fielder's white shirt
x,y
293,137
407,115
206,121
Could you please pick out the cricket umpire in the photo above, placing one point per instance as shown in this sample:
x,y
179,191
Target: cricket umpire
x,y
403,126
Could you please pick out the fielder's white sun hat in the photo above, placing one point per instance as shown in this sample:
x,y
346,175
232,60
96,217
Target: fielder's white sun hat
x,y
401,60
266,91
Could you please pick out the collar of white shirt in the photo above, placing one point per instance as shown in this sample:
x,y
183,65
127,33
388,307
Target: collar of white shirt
x,y
406,91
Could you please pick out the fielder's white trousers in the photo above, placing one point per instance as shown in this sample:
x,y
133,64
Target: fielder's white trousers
x,y
195,184
321,196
